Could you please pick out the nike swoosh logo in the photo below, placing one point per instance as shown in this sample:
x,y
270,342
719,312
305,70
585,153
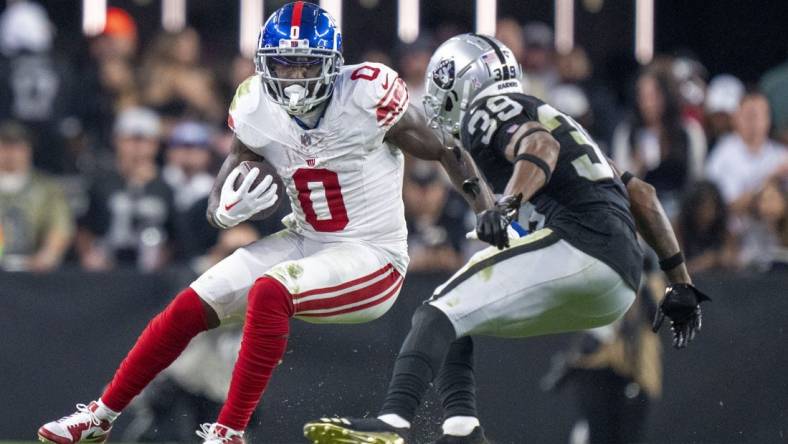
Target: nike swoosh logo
x,y
386,83
230,206
93,436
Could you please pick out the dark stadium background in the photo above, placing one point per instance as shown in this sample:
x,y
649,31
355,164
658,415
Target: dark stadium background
x,y
743,38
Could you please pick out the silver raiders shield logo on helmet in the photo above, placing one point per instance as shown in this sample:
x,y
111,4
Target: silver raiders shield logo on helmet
x,y
443,75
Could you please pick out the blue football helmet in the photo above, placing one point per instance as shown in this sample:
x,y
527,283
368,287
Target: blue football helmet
x,y
299,34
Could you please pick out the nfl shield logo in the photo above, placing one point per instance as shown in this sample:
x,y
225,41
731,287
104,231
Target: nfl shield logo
x,y
310,162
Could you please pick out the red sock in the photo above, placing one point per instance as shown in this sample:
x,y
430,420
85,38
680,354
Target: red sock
x,y
264,342
158,346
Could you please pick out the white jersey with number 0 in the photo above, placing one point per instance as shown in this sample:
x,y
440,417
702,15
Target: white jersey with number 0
x,y
344,181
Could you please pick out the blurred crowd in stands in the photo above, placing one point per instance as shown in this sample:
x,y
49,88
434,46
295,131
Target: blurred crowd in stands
x,y
107,162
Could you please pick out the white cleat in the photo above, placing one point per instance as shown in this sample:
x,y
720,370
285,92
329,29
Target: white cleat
x,y
81,426
218,434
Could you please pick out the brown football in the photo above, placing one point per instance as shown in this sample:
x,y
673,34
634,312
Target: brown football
x,y
265,169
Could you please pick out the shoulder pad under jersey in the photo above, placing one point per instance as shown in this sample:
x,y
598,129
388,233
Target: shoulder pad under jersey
x,y
244,104
377,90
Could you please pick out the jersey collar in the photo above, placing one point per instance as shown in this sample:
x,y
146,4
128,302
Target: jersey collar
x,y
502,87
319,112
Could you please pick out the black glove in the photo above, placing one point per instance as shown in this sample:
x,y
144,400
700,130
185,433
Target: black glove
x,y
491,227
682,305
491,224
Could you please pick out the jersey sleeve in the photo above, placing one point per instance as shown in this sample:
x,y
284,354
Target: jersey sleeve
x,y
508,131
380,93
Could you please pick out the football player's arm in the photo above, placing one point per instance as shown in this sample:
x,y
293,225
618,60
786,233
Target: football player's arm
x,y
238,153
682,300
655,227
412,135
534,152
653,224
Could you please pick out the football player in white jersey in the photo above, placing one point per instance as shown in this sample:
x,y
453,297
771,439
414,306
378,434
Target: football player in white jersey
x,y
335,135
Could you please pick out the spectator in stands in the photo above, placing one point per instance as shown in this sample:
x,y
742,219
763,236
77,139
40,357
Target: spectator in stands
x,y
702,229
774,85
435,218
117,89
510,33
742,163
35,218
174,82
722,100
538,60
35,87
413,62
575,69
130,217
765,242
571,99
109,81
654,144
241,68
189,160
690,77
188,171
119,38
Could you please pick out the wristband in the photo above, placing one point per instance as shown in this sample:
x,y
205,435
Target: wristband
x,y
626,177
671,262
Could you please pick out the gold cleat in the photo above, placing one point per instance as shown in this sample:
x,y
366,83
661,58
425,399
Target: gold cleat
x,y
338,433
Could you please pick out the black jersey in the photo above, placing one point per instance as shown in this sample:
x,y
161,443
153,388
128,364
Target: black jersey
x,y
584,202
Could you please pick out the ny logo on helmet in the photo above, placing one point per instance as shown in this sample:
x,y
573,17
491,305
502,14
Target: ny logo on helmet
x,y
443,75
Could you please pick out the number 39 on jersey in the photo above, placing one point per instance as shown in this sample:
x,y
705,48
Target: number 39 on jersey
x,y
497,111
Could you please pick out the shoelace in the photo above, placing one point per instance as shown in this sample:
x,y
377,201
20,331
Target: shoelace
x,y
206,434
82,408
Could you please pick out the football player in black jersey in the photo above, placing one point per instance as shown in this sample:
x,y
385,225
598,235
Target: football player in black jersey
x,y
579,267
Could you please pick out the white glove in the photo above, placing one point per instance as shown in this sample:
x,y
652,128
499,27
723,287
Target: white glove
x,y
235,206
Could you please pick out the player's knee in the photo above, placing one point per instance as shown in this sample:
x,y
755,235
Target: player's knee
x,y
285,273
429,318
463,346
211,317
615,306
189,312
269,300
430,336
